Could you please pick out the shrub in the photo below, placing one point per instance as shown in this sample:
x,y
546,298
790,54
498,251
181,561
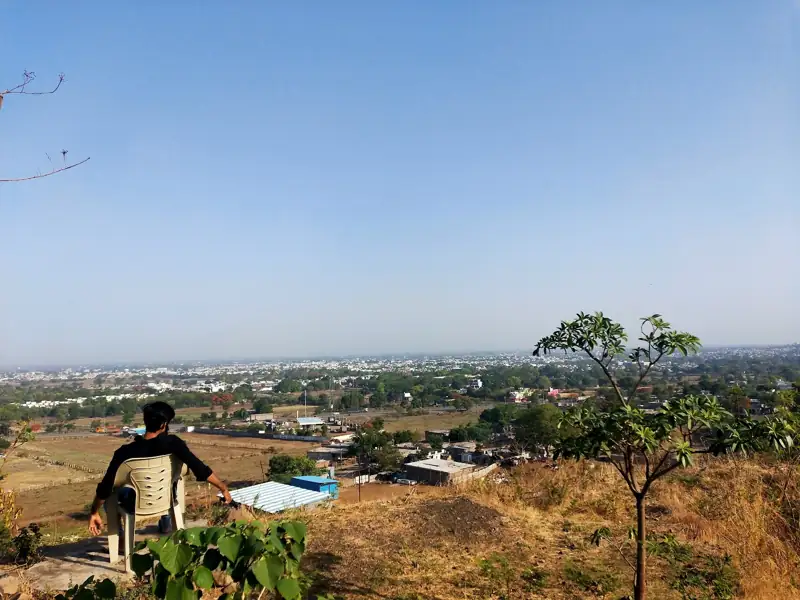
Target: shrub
x,y
534,579
591,580
27,545
237,559
90,590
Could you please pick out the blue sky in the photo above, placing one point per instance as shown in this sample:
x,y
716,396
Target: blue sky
x,y
358,177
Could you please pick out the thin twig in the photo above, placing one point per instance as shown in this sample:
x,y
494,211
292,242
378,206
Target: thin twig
x,y
41,175
28,77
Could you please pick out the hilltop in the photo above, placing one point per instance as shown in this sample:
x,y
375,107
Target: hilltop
x,y
723,530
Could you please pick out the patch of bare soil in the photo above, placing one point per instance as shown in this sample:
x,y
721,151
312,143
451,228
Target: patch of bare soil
x,y
456,518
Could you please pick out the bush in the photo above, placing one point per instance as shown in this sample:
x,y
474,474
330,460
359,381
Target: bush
x,y
238,559
591,580
90,590
27,545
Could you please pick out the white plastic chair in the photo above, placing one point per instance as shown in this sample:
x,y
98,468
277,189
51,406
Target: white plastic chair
x,y
152,479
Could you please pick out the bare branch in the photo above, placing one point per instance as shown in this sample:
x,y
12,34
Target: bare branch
x,y
48,174
608,375
27,77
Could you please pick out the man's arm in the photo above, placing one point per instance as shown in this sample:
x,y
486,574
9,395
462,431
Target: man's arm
x,y
104,490
215,481
201,471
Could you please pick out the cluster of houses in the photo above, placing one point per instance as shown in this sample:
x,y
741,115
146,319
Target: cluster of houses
x,y
422,463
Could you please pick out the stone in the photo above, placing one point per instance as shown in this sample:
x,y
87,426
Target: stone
x,y
9,585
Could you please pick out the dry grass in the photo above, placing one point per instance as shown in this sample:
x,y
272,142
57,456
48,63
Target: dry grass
x,y
429,545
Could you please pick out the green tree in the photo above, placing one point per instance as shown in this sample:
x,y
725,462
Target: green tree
x,y
404,436
262,406
463,403
379,396
537,427
127,418
288,386
500,417
641,447
283,467
96,424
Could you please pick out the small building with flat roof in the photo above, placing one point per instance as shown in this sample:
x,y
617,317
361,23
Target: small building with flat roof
x,y
329,453
317,484
437,471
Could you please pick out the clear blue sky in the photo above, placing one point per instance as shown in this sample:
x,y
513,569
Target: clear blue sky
x,y
358,177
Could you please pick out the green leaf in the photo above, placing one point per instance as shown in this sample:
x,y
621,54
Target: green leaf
x,y
180,589
203,578
229,546
295,530
89,580
176,557
289,589
268,570
155,546
296,549
141,564
211,535
275,540
194,536
105,589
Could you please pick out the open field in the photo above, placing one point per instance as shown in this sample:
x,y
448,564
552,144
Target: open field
x,y
55,493
434,419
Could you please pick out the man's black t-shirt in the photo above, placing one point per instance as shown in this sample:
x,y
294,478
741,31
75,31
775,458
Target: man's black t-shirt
x,y
157,446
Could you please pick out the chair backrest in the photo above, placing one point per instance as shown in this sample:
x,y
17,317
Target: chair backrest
x,y
152,479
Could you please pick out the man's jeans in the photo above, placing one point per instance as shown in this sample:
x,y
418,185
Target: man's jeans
x,y
126,497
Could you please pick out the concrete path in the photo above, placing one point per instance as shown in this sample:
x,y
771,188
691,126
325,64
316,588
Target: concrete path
x,y
71,564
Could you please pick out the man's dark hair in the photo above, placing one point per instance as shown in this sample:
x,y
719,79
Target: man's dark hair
x,y
156,415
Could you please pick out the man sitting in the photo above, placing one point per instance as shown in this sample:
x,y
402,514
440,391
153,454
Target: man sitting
x,y
156,441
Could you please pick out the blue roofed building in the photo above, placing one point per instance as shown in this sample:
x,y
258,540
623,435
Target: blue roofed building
x,y
317,484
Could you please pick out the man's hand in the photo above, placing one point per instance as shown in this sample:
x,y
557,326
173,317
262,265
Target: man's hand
x,y
226,495
95,524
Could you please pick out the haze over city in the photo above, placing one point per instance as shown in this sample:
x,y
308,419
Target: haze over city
x,y
367,178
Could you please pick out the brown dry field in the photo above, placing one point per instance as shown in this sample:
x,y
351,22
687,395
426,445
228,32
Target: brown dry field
x,y
59,495
429,545
433,420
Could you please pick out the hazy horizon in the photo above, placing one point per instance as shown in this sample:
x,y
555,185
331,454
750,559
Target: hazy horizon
x,y
311,357
277,180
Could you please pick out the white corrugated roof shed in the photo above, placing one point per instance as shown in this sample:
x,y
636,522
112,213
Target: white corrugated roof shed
x,y
273,497
310,421
438,464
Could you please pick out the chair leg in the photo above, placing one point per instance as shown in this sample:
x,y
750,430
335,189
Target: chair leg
x,y
181,496
112,515
129,526
177,517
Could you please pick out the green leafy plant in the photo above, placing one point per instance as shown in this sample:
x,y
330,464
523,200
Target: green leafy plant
x,y
534,579
90,590
235,560
644,447
590,580
27,544
498,569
